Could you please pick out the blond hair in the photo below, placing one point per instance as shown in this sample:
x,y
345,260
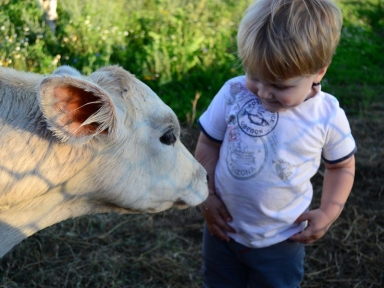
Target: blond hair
x,y
282,39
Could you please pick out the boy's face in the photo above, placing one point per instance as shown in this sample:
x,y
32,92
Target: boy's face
x,y
285,94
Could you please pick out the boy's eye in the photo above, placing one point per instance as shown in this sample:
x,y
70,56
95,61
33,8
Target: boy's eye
x,y
279,87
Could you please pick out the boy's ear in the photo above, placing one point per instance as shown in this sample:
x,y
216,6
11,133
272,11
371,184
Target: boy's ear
x,y
319,76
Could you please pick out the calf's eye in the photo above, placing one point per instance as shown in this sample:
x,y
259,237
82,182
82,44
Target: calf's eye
x,y
168,138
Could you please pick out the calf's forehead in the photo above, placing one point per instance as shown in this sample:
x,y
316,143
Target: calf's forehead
x,y
160,115
140,100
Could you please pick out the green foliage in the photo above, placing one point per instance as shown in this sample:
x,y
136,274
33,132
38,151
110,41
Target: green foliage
x,y
356,75
21,36
179,48
87,33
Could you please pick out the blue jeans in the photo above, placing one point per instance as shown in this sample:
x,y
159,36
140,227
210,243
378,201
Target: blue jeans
x,y
233,265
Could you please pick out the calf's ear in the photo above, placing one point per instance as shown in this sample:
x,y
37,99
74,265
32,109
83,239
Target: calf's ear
x,y
75,109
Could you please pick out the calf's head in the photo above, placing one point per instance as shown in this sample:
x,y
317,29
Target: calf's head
x,y
138,163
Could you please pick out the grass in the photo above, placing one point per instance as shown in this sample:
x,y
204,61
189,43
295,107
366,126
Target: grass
x,y
356,75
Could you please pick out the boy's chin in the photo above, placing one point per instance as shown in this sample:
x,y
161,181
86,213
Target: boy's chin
x,y
273,108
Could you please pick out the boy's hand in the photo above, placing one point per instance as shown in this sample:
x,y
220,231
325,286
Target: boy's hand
x,y
216,216
338,181
318,224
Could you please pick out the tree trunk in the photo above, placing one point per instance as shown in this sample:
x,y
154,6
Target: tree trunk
x,y
50,14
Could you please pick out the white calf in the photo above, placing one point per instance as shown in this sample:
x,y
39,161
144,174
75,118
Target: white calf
x,y
73,145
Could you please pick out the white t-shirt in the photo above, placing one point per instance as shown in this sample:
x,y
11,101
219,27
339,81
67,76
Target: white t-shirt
x,y
267,159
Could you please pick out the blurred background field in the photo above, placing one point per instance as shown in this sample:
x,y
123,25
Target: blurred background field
x,y
185,50
180,48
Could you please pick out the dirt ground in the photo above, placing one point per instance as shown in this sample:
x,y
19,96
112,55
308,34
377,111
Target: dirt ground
x,y
164,250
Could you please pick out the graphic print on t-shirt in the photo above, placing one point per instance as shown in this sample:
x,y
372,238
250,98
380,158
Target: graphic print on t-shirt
x,y
256,121
247,148
245,162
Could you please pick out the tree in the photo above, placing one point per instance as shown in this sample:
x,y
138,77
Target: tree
x,y
50,15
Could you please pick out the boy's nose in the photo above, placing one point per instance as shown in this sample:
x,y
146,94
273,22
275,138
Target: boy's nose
x,y
264,93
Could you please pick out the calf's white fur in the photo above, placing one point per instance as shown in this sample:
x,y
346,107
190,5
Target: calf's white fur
x,y
72,145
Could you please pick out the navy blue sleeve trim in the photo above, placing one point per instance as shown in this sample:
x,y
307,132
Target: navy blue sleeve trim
x,y
206,134
341,159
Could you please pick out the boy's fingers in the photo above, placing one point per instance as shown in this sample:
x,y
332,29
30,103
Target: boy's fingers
x,y
216,216
225,214
227,218
228,228
214,219
298,238
218,232
218,226
303,217
305,237
222,223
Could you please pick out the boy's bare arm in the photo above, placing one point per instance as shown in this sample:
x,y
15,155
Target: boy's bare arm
x,y
338,182
337,185
207,153
213,209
